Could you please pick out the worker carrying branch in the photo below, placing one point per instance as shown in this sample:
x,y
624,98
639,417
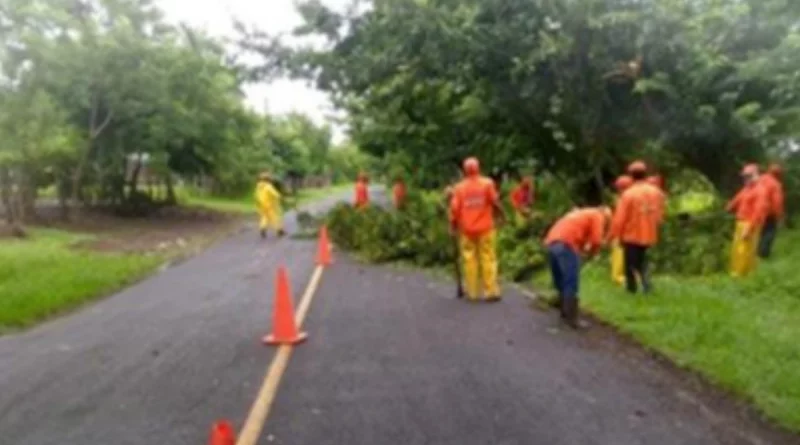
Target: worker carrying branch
x,y
522,200
637,218
751,207
268,200
473,208
578,232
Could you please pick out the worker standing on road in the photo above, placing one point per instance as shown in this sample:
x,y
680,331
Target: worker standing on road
x,y
751,206
637,217
522,200
774,190
617,255
399,193
473,208
362,191
579,231
268,200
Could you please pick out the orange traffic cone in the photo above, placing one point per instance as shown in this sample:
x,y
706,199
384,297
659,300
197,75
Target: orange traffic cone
x,y
222,434
324,250
284,328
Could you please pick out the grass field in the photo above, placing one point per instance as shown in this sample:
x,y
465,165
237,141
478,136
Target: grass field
x,y
741,334
246,204
43,275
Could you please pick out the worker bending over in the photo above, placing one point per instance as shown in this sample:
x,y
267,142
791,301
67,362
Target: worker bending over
x,y
637,217
268,200
751,206
473,208
399,193
522,199
774,190
617,255
578,232
362,191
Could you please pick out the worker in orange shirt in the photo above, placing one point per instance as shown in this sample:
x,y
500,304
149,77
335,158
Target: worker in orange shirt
x,y
751,206
399,193
578,232
617,255
522,199
473,208
637,218
362,191
774,190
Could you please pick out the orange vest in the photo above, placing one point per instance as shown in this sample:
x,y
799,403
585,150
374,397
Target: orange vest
x,y
520,197
774,190
472,205
577,229
399,193
638,214
751,204
362,194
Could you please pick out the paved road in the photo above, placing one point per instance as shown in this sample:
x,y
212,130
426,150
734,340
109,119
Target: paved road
x,y
391,359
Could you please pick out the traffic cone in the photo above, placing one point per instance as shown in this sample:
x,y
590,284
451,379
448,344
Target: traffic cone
x,y
284,328
222,433
324,249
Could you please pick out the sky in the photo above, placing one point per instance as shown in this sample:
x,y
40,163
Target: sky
x,y
273,16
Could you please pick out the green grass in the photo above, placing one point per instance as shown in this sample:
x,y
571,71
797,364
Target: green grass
x,y
741,334
42,276
246,204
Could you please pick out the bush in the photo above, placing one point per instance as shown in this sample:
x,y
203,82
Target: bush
x,y
690,244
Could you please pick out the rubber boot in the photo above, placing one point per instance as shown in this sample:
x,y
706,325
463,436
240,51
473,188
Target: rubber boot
x,y
281,233
493,299
263,233
571,316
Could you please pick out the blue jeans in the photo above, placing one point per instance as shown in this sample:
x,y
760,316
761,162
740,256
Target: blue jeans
x,y
565,268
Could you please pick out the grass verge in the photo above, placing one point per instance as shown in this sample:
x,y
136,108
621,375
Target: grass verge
x,y
44,275
741,335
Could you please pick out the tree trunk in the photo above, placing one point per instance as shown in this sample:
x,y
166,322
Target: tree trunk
x,y
5,194
171,198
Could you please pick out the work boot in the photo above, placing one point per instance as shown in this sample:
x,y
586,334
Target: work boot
x,y
281,233
263,233
570,314
493,299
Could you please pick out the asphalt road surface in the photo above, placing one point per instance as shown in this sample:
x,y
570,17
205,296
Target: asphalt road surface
x,y
392,358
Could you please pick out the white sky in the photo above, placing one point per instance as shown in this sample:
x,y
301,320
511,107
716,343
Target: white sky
x,y
273,16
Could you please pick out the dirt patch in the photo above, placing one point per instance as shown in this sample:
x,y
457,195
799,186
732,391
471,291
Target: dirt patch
x,y
168,229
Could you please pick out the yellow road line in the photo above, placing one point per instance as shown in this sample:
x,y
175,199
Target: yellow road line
x,y
266,395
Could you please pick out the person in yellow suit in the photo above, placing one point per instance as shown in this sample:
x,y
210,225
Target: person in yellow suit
x,y
617,255
473,207
268,200
751,206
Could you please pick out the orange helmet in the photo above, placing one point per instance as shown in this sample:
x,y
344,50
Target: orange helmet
x,y
750,170
775,170
656,180
637,166
623,182
471,166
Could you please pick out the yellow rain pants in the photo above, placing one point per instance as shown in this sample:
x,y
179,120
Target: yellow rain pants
x,y
617,263
475,252
269,207
743,251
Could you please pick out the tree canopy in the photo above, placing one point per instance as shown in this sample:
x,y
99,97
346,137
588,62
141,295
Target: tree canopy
x,y
577,87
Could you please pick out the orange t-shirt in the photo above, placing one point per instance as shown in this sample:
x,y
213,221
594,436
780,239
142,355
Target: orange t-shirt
x,y
362,194
472,205
638,214
521,197
577,229
751,204
399,194
774,190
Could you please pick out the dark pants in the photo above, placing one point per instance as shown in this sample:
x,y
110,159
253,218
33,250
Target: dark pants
x,y
636,264
565,269
768,233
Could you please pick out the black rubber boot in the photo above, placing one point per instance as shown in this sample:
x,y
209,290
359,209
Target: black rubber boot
x,y
281,233
263,233
571,314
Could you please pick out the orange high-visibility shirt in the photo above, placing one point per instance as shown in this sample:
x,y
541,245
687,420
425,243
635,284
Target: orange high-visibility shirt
x,y
399,194
774,190
751,204
521,197
638,214
578,229
362,194
472,205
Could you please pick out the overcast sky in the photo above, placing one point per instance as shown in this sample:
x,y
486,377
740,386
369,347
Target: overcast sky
x,y
216,17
